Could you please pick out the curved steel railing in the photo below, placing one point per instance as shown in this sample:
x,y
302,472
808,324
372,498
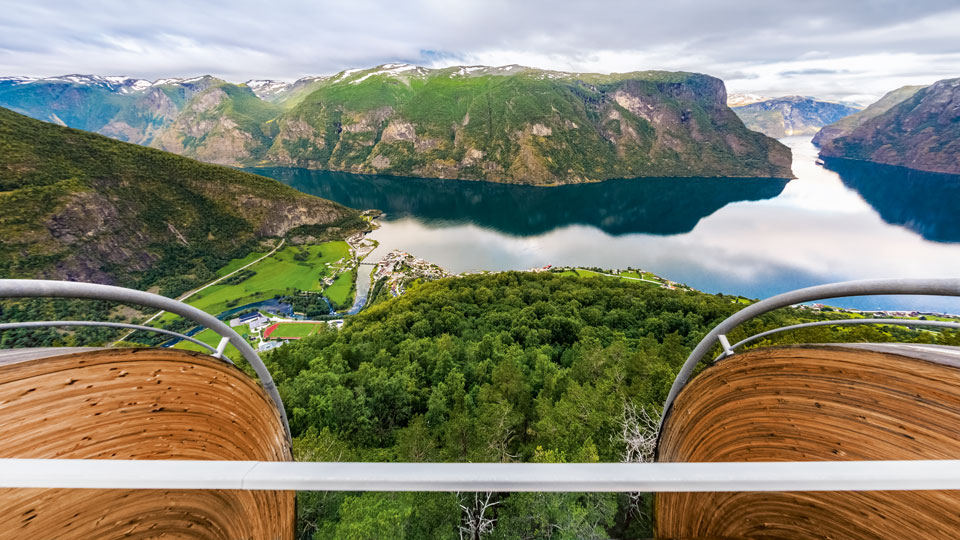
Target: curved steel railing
x,y
39,288
49,324
894,322
868,287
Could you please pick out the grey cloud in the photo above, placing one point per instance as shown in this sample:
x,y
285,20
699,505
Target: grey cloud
x,y
286,39
813,71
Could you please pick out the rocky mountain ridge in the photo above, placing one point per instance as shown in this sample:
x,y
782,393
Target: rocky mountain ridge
x,y
791,115
504,124
849,123
920,132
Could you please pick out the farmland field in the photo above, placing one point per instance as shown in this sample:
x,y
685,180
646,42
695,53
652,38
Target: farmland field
x,y
292,268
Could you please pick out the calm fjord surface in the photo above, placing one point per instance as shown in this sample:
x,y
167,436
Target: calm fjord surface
x,y
755,237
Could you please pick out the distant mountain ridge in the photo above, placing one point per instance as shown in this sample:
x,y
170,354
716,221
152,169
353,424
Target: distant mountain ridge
x,y
505,124
791,115
922,131
847,124
81,206
739,100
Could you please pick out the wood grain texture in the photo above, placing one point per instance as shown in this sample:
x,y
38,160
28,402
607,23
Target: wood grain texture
x,y
814,403
139,404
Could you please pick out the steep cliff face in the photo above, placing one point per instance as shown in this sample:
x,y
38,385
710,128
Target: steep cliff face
x,y
507,124
791,115
224,124
82,206
521,125
922,132
849,123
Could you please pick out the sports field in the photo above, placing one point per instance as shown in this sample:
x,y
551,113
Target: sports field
x,y
291,330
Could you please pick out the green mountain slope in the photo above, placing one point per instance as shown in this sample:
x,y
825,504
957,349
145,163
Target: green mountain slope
x,y
849,123
522,125
791,115
508,124
225,124
83,103
82,206
144,114
921,132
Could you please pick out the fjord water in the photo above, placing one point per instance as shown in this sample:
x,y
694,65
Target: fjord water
x,y
754,237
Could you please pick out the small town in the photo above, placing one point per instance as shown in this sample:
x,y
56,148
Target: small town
x,y
399,268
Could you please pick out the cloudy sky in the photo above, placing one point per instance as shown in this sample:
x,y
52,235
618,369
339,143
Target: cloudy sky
x,y
847,49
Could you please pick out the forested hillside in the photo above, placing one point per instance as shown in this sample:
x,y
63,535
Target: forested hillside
x,y
503,367
81,206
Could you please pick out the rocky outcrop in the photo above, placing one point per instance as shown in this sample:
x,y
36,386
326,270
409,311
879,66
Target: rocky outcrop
x,y
921,132
216,127
791,115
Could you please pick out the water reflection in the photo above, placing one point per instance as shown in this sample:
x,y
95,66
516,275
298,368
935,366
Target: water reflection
x,y
750,237
924,202
646,205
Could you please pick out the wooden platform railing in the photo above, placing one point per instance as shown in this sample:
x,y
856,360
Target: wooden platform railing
x,y
39,288
867,287
73,411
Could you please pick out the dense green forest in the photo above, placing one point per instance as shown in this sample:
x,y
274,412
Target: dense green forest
x,y
502,367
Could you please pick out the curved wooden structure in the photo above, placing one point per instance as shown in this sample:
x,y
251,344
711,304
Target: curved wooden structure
x,y
816,403
137,404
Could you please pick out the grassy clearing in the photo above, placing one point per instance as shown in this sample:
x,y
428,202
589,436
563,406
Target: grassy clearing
x,y
279,274
640,275
582,272
341,291
212,338
293,330
291,268
236,264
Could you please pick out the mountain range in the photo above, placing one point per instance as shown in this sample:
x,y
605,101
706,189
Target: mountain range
x,y
847,124
504,124
82,206
913,127
789,115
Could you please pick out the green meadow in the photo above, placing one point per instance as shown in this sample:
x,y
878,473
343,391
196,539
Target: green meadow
x,y
341,291
286,271
211,338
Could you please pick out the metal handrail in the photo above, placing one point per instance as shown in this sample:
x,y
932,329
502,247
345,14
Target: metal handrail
x,y
39,288
47,324
501,477
895,322
867,287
